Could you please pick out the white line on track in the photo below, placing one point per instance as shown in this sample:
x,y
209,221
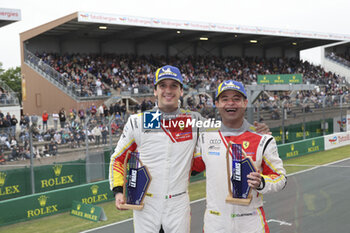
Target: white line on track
x,y
202,199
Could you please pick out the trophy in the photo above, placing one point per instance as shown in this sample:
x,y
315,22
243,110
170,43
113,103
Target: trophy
x,y
136,181
242,165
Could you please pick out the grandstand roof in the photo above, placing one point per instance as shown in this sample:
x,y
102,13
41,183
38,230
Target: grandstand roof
x,y
88,25
8,16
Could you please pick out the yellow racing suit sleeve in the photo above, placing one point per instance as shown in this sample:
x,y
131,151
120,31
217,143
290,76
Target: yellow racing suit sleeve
x,y
116,167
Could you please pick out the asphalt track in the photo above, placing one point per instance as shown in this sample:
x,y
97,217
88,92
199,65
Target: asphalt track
x,y
314,200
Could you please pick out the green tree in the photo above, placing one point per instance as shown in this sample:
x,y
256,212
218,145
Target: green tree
x,y
12,78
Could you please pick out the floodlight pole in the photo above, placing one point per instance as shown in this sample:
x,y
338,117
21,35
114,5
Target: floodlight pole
x,y
32,179
304,133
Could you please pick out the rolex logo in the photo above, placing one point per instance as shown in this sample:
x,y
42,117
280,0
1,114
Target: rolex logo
x,y
94,189
313,142
92,210
42,200
292,147
57,169
2,178
78,207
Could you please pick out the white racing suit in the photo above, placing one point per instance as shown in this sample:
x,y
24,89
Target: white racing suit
x,y
167,153
222,217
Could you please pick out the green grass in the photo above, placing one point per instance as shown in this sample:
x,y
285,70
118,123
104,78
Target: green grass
x,y
319,158
67,223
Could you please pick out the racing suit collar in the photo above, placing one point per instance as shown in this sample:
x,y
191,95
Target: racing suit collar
x,y
167,115
229,131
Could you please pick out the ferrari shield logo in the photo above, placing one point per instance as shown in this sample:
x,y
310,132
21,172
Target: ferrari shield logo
x,y
245,144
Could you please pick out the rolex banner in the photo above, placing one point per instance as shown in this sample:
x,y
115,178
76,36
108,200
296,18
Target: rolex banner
x,y
280,79
88,211
52,202
57,176
297,149
16,182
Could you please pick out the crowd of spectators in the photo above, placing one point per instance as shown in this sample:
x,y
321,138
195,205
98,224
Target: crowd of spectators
x,y
303,101
128,72
6,98
345,55
66,128
342,58
74,74
96,74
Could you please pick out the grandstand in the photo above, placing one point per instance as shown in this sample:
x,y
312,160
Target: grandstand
x,y
336,58
85,62
59,57
8,98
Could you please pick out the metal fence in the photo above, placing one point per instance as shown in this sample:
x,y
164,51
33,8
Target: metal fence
x,y
92,140
62,82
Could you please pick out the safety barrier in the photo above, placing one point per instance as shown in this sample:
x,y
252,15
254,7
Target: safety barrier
x,y
52,202
336,140
296,149
56,201
16,182
295,132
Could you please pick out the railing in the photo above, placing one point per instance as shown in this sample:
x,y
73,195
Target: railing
x,y
338,59
78,92
8,98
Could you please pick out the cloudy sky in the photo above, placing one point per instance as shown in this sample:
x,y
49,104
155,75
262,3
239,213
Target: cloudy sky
x,y
318,16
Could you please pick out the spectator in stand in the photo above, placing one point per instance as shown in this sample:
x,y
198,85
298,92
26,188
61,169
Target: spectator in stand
x,y
2,156
93,110
46,150
23,123
72,141
45,118
104,133
65,137
14,154
7,125
143,105
91,137
98,87
77,138
26,153
27,120
55,118
105,111
96,131
53,148
2,127
23,136
36,152
116,108
8,116
81,114
57,138
62,116
100,111
13,142
14,122
123,111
